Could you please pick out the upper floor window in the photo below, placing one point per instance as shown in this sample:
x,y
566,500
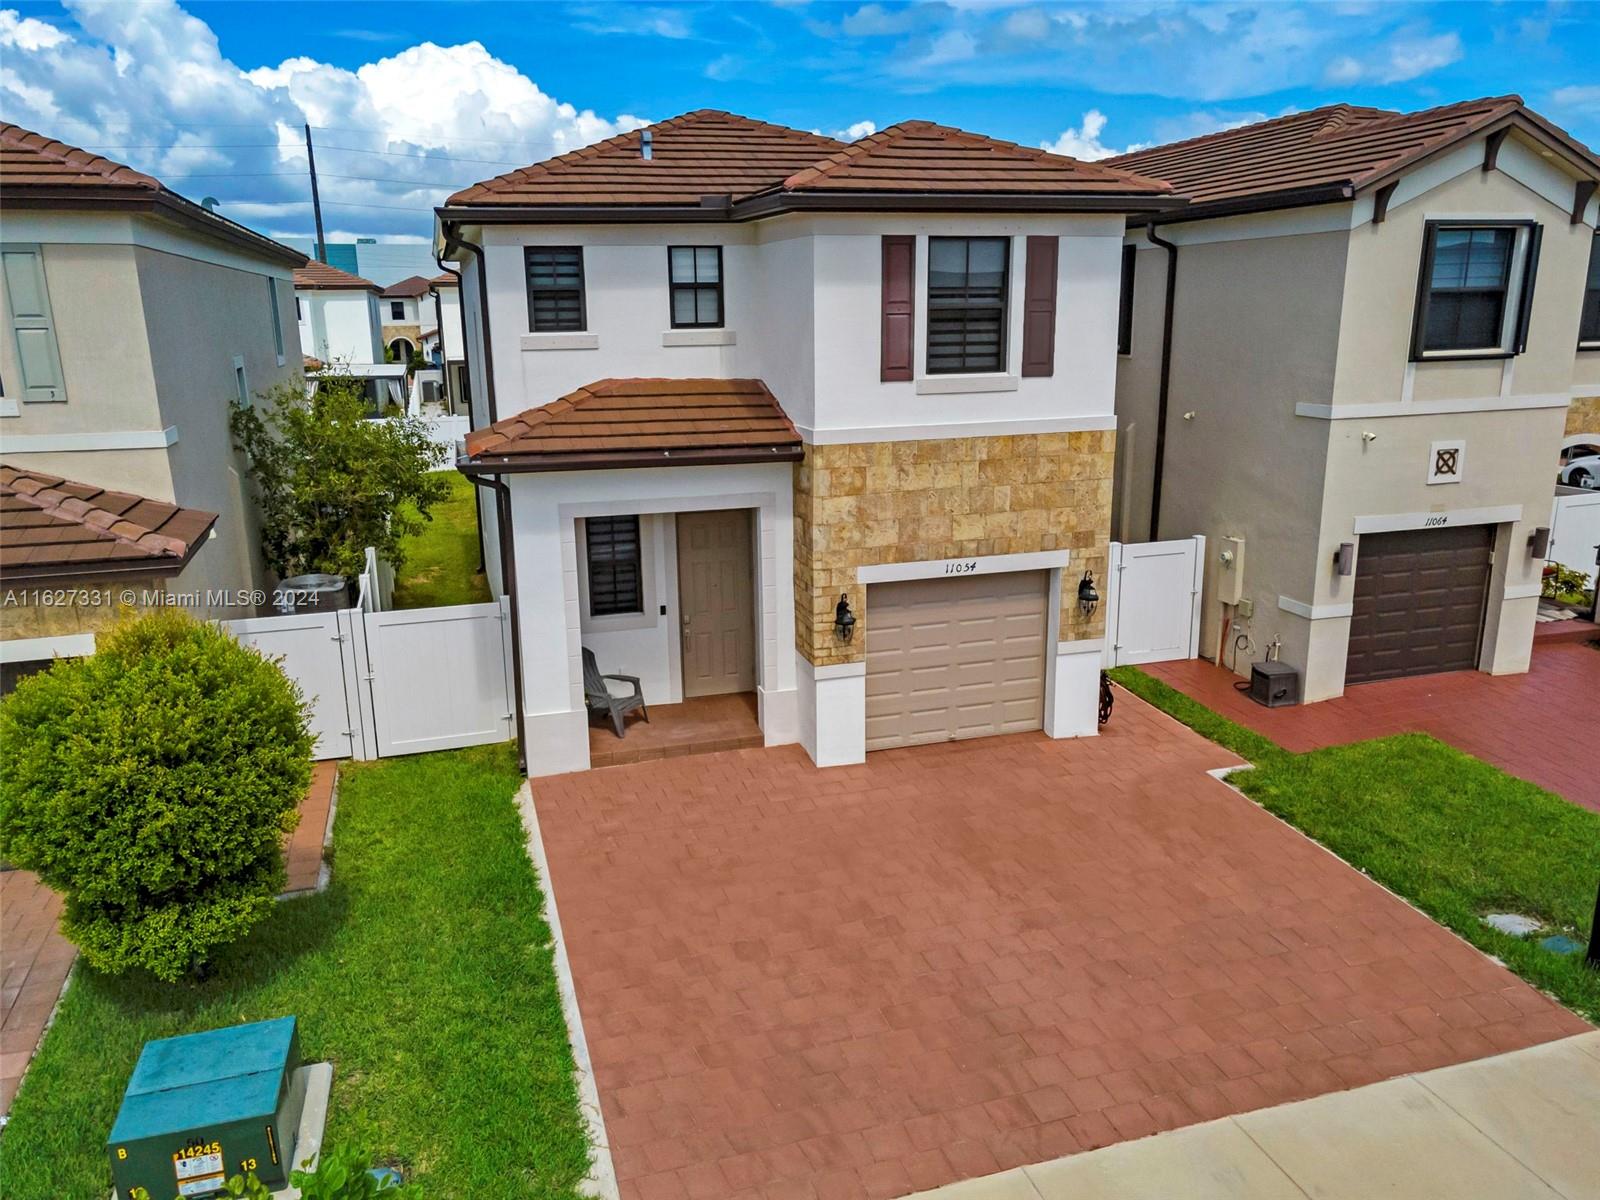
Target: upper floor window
x,y
967,286
1589,324
616,578
277,318
397,310
555,289
1476,289
1125,304
695,274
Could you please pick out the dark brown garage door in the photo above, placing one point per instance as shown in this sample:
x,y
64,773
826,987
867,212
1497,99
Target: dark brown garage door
x,y
1419,602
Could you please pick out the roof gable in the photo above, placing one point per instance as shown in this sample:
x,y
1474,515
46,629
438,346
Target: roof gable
x,y
642,422
1340,147
320,276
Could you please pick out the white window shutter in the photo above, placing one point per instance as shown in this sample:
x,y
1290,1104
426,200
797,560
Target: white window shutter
x,y
27,298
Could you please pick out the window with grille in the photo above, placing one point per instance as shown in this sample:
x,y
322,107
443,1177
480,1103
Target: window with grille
x,y
555,289
695,275
1476,286
967,285
1589,324
616,583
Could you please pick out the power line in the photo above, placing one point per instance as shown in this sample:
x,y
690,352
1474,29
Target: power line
x,y
422,154
413,184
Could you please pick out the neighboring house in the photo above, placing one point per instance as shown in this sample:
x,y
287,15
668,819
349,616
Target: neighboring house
x,y
407,312
132,320
1362,370
444,344
731,373
338,315
106,549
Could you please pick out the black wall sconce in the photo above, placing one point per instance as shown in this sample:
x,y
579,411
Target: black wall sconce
x,y
1088,596
1539,542
844,621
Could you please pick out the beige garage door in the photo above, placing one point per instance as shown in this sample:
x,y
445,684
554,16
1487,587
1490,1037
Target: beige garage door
x,y
955,658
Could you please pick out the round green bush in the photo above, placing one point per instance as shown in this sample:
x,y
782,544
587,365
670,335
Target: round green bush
x,y
152,784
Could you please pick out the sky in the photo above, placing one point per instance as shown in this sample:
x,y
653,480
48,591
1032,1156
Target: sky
x,y
410,101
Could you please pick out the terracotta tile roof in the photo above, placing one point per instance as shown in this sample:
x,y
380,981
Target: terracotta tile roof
x,y
702,153
319,275
642,422
711,155
919,156
54,527
1339,146
410,287
444,279
38,171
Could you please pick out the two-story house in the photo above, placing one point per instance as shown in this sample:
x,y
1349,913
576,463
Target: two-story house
x,y
408,314
130,320
338,315
1350,362
828,423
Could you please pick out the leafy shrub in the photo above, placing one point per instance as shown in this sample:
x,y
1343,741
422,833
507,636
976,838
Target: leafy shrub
x,y
341,1174
152,784
1565,584
331,482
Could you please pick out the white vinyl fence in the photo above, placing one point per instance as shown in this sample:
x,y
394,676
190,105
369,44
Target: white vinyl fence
x,y
1153,601
382,683
1575,529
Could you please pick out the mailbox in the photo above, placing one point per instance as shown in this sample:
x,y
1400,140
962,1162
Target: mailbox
x,y
205,1106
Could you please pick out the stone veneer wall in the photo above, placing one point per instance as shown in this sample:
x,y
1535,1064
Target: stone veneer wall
x,y
884,502
1583,415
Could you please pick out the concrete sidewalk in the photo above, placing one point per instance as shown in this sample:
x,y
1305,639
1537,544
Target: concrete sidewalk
x,y
1518,1125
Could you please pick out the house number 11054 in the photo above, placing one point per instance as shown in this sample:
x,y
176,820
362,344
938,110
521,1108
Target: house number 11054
x,y
961,568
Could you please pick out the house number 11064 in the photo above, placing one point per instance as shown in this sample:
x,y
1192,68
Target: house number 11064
x,y
961,568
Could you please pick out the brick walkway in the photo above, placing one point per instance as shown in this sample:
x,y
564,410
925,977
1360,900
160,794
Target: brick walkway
x,y
953,960
1541,726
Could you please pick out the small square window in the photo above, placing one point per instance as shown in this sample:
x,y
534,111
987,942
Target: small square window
x,y
696,279
616,581
555,289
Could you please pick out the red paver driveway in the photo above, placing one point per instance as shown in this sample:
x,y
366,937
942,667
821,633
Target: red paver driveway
x,y
1541,726
950,960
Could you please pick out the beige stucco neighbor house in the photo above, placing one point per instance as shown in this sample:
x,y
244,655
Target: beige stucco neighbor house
x,y
1357,354
732,381
130,320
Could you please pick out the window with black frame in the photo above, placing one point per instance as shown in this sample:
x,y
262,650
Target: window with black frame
x,y
1475,289
695,276
616,581
1125,302
967,284
1589,323
555,289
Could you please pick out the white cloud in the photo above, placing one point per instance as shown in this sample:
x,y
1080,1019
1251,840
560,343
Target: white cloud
x,y
410,128
1083,142
1580,97
1201,122
873,20
856,132
26,33
1408,55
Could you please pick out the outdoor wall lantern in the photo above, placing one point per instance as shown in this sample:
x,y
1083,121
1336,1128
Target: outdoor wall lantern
x,y
844,621
1088,597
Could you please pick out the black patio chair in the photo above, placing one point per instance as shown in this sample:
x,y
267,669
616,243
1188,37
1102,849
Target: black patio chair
x,y
600,699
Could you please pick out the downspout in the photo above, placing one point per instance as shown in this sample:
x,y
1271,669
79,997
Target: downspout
x,y
466,359
454,239
508,564
1166,377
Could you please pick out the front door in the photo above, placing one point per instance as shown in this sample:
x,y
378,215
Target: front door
x,y
716,600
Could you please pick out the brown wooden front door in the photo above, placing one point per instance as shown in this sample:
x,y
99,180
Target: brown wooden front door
x,y
716,600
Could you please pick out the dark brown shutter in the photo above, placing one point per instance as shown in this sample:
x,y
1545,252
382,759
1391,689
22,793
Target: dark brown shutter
x,y
899,307
1039,308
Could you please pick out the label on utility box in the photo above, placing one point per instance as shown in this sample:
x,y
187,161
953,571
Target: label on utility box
x,y
199,1170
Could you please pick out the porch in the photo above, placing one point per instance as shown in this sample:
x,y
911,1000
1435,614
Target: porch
x,y
698,725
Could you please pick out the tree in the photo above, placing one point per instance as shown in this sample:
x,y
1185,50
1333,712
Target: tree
x,y
331,482
152,784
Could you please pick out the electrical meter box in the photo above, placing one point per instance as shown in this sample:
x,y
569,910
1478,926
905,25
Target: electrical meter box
x,y
205,1106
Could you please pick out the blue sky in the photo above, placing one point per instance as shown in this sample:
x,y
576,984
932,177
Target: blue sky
x,y
411,100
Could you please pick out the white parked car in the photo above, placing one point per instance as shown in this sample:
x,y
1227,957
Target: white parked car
x,y
1581,472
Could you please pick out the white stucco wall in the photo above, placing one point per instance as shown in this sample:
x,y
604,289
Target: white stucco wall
x,y
340,325
450,309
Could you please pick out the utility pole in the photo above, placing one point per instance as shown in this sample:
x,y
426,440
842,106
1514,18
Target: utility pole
x,y
316,201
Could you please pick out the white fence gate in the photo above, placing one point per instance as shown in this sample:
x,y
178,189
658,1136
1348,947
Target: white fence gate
x,y
388,683
1575,530
1153,601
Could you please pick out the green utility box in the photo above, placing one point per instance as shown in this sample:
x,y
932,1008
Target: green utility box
x,y
205,1106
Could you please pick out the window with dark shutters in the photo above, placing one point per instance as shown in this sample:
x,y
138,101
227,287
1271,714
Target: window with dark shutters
x,y
616,583
555,289
899,307
967,286
1039,307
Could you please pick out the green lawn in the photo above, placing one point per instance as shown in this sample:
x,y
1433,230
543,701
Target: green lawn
x,y
441,565
1453,835
424,974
